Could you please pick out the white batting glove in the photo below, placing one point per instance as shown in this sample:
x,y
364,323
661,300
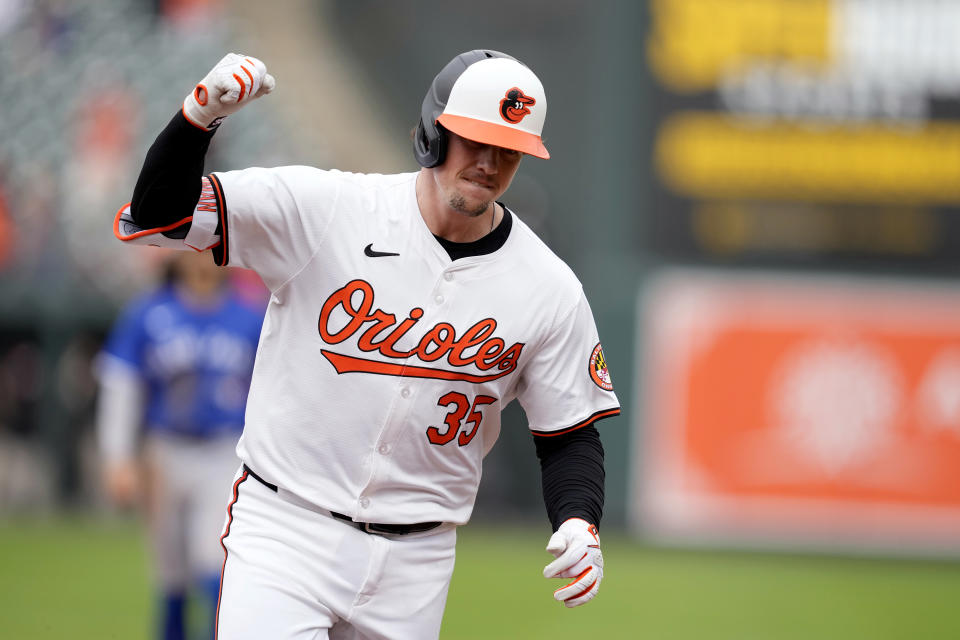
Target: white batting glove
x,y
232,83
576,547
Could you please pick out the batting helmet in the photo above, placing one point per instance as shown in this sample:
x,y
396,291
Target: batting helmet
x,y
485,96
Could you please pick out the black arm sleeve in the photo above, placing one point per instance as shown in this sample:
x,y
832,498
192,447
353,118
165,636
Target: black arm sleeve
x,y
169,184
572,473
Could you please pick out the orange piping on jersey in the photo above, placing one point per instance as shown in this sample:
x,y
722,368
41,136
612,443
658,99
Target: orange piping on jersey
x,y
222,207
226,532
145,232
597,416
350,364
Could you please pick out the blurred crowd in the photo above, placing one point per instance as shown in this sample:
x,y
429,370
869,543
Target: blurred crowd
x,y
84,87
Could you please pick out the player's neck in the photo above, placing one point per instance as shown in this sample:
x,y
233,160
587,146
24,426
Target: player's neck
x,y
448,223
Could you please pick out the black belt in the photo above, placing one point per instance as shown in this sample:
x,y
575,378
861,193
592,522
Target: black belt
x,y
366,527
377,527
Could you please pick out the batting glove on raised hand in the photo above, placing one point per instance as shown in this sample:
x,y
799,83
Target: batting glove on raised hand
x,y
576,547
232,83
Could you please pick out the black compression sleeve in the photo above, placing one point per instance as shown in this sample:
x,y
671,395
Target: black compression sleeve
x,y
169,184
571,470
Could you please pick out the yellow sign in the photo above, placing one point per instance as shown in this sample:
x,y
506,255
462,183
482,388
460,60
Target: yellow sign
x,y
693,43
713,155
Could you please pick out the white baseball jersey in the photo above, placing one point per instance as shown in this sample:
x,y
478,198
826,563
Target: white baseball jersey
x,y
383,365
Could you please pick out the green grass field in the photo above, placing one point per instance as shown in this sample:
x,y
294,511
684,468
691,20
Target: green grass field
x,y
83,579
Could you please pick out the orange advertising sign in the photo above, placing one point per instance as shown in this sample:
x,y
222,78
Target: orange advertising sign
x,y
803,410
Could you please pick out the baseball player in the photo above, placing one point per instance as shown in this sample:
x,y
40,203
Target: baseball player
x,y
174,375
406,311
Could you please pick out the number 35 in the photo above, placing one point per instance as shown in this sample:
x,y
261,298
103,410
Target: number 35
x,y
460,406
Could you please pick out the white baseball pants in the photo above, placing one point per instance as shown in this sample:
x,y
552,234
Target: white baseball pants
x,y
293,572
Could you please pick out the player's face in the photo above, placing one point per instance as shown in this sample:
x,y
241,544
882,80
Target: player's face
x,y
198,273
474,174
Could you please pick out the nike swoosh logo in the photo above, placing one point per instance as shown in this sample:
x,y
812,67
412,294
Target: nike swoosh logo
x,y
369,252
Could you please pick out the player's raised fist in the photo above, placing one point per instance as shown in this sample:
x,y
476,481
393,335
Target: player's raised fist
x,y
233,82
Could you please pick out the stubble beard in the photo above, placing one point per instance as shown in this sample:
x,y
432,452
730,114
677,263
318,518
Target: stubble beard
x,y
459,204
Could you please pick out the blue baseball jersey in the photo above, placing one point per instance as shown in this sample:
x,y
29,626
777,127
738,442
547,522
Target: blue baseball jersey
x,y
195,362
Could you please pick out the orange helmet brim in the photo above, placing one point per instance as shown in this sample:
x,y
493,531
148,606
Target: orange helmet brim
x,y
495,134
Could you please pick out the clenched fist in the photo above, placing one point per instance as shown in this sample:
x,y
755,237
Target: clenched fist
x,y
233,82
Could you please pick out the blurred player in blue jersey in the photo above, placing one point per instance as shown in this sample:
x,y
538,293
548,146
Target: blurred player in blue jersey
x,y
174,375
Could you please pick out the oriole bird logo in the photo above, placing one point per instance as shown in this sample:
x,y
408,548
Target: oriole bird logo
x,y
515,105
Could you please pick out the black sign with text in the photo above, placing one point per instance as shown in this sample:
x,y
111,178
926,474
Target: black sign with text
x,y
823,131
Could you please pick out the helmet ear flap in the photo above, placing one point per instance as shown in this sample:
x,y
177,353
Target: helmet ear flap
x,y
430,144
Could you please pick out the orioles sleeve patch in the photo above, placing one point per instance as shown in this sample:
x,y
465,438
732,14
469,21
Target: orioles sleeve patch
x,y
598,369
